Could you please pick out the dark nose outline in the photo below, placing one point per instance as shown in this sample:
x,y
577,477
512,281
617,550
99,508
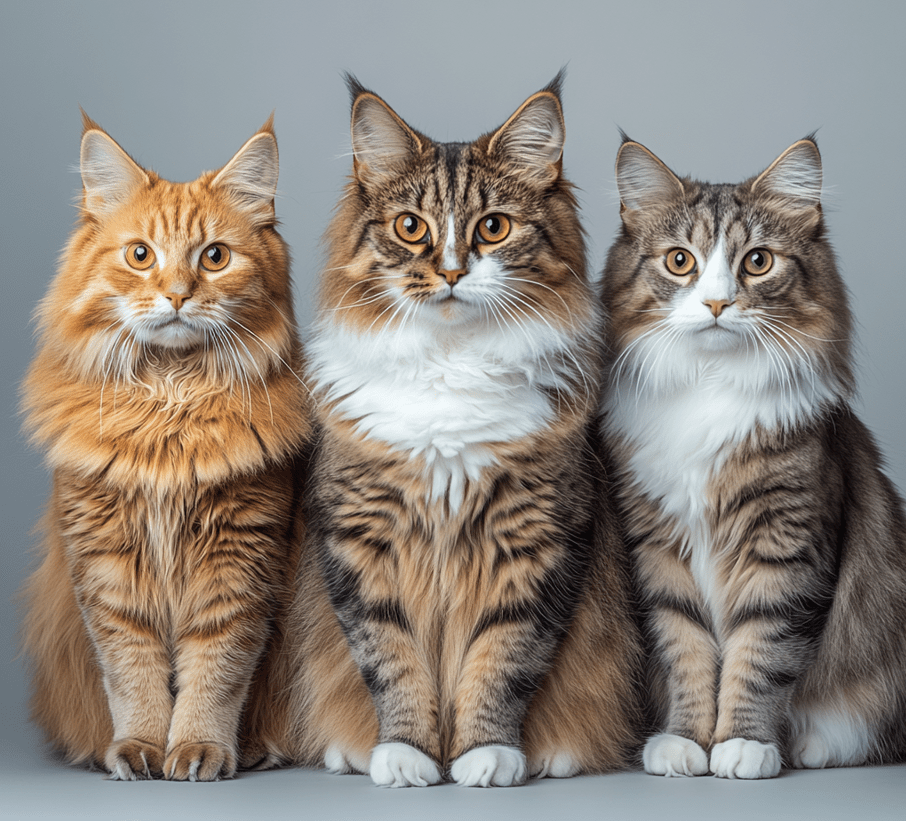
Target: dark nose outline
x,y
717,305
452,276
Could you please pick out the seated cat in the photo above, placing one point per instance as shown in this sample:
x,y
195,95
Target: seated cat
x,y
768,544
166,393
462,606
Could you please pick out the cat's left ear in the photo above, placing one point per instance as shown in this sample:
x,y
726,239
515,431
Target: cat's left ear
x,y
794,177
533,137
251,176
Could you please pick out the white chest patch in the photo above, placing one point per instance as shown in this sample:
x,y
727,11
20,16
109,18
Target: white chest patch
x,y
442,398
683,415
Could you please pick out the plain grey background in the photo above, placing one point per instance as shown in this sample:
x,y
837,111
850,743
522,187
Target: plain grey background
x,y
716,89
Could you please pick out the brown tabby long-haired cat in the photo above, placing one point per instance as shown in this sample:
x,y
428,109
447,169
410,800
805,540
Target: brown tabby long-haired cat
x,y
769,545
460,549
166,394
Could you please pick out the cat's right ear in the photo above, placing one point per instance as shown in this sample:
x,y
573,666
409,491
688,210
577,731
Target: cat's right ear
x,y
109,175
643,180
381,141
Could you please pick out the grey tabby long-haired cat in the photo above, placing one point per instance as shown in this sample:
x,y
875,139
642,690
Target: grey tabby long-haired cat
x,y
769,546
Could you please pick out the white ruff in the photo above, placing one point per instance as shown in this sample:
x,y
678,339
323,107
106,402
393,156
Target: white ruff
x,y
443,394
683,407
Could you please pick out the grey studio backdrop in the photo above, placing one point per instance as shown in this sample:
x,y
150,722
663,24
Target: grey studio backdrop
x,y
715,89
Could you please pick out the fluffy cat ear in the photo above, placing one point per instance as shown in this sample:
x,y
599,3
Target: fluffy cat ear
x,y
381,141
109,174
533,137
251,176
795,176
643,180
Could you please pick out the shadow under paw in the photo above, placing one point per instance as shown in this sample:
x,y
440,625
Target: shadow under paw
x,y
131,759
200,761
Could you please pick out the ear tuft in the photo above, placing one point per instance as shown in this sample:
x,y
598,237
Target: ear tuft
x,y
251,176
109,175
381,140
795,176
642,179
533,136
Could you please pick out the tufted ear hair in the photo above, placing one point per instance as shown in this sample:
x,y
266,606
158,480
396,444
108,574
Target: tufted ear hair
x,y
794,177
109,175
251,175
642,179
532,138
381,140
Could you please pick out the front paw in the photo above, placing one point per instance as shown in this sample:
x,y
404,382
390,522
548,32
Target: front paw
x,y
401,765
341,762
673,755
131,759
492,766
200,761
742,758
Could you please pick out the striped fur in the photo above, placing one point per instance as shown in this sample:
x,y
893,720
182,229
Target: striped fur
x,y
462,604
170,407
768,544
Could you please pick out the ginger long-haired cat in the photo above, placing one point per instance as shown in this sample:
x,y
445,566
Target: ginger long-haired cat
x,y
769,544
462,604
165,392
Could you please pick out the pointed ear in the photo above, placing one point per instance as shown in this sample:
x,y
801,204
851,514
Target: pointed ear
x,y
251,176
795,176
109,175
381,140
643,180
533,137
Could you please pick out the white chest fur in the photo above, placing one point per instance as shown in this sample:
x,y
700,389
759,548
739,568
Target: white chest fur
x,y
442,399
680,432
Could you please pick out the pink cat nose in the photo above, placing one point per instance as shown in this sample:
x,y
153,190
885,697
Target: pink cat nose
x,y
717,305
452,276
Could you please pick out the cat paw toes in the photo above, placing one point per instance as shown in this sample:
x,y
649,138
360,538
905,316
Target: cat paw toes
x,y
131,759
742,758
200,761
341,762
492,766
810,752
554,765
401,765
673,755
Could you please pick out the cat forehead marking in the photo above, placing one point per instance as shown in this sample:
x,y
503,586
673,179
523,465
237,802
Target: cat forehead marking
x,y
450,260
717,280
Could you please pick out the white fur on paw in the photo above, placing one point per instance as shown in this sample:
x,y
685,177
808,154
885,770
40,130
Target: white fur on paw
x,y
742,758
673,755
492,766
810,752
400,765
554,765
339,762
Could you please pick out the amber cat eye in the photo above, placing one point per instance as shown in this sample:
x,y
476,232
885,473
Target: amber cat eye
x,y
758,262
679,262
139,256
493,228
215,257
411,228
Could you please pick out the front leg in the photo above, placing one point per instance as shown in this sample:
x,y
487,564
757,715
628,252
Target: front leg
x,y
118,597
360,570
779,593
221,628
685,647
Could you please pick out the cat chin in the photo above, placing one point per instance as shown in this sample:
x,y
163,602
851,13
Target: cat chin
x,y
175,336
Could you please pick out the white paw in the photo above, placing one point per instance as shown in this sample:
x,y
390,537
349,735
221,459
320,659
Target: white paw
x,y
554,765
339,762
400,765
673,755
811,752
493,766
741,758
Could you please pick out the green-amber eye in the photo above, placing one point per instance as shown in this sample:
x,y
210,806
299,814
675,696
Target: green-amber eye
x,y
679,262
758,262
411,228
